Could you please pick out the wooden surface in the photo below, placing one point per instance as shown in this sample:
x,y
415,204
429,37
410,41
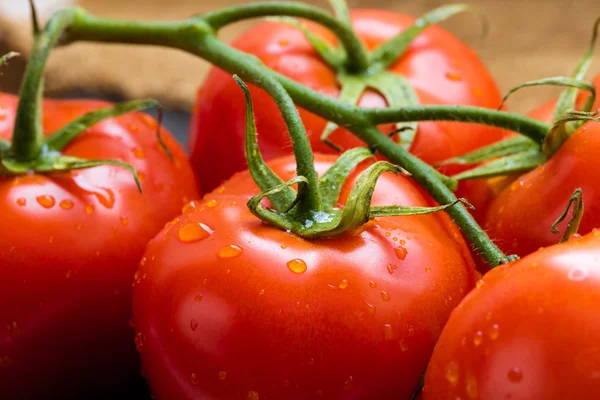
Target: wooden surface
x,y
526,40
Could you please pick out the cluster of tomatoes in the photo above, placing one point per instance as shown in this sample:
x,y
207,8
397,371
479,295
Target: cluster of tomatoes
x,y
228,307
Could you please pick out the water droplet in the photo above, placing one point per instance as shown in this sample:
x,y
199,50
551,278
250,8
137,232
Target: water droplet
x,y
21,202
286,383
388,332
79,227
46,201
198,298
488,316
349,384
478,338
193,324
471,387
401,252
192,205
230,251
343,284
66,204
411,330
494,332
221,190
391,268
453,76
372,284
262,291
387,234
577,274
385,296
297,266
402,242
222,375
212,204
139,340
403,345
452,372
370,307
194,231
89,209
479,284
138,153
515,375
124,221
283,246
252,395
193,379
428,269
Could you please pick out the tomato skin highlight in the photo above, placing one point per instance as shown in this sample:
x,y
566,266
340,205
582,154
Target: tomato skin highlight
x,y
70,244
528,332
252,309
439,66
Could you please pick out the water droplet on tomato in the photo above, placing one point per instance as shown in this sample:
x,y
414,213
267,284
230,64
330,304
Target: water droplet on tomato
x,y
385,296
428,269
21,202
124,221
193,232
193,324
577,274
479,284
66,204
143,261
252,395
297,266
515,375
453,76
193,379
488,316
391,268
46,201
349,384
388,332
372,284
138,153
343,284
139,340
230,251
472,388
387,234
222,375
88,209
403,345
283,246
198,298
478,338
452,372
494,332
212,203
192,205
370,307
401,252
411,330
261,292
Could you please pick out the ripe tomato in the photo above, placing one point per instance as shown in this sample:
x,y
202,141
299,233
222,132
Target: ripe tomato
x,y
70,244
521,216
440,67
528,332
228,307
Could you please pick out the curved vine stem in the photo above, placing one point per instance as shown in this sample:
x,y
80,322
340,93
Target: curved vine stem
x,y
197,37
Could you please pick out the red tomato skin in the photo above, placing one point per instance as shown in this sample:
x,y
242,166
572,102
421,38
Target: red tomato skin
x,y
70,244
439,66
528,332
248,327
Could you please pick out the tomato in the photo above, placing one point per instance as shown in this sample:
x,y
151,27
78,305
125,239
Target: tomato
x,y
227,307
439,66
70,243
521,216
528,332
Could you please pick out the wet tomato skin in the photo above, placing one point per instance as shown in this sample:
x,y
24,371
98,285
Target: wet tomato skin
x,y
70,244
527,332
230,307
441,68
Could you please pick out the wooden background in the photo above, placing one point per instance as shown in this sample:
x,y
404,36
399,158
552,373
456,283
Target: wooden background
x,y
527,39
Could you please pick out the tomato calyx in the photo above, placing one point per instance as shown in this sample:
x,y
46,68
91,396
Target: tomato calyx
x,y
521,154
312,211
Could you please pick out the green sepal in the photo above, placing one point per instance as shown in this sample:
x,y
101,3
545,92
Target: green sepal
x,y
389,52
264,176
515,163
352,87
396,211
333,180
507,147
334,57
51,161
340,8
576,201
558,133
8,56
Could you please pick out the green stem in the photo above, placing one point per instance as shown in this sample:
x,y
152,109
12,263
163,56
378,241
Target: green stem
x,y
195,37
358,58
28,135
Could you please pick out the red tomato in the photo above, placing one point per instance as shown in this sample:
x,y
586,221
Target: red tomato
x,y
438,65
70,244
521,216
528,332
227,307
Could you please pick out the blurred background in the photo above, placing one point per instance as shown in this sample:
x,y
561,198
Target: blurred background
x,y
526,40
